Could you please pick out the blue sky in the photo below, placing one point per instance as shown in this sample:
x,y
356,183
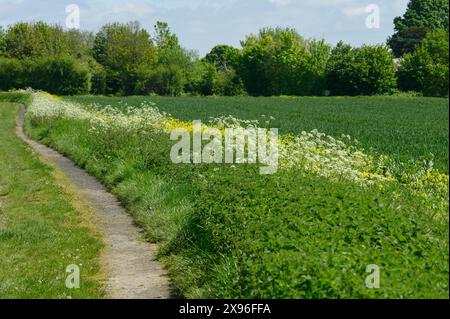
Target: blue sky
x,y
201,24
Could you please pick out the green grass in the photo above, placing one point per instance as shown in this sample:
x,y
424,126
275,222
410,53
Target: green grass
x,y
230,232
402,127
40,232
14,97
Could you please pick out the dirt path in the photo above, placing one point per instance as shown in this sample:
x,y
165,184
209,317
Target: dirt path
x,y
129,262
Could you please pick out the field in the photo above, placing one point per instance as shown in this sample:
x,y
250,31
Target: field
x,y
41,231
402,127
334,207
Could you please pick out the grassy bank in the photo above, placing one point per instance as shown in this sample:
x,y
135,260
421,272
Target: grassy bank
x,y
309,231
41,233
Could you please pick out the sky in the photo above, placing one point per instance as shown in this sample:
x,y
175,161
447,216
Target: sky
x,y
202,24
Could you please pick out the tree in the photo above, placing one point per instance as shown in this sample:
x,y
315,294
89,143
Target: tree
x,y
205,79
2,41
224,57
279,61
367,70
171,74
35,40
421,17
426,69
174,63
80,43
128,55
58,75
313,72
223,79
164,38
270,60
11,74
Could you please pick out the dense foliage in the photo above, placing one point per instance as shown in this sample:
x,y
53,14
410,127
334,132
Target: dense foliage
x,y
127,55
2,41
126,59
60,75
367,70
426,69
280,62
421,17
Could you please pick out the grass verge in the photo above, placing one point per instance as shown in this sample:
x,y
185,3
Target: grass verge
x,y
41,233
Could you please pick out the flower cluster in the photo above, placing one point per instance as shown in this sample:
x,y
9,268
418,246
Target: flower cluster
x,y
328,157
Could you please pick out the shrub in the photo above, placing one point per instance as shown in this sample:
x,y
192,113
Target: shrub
x,y
98,80
367,70
59,75
269,61
2,41
200,78
426,69
421,17
228,83
280,62
167,80
11,74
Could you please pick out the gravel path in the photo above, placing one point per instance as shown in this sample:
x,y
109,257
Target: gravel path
x,y
129,262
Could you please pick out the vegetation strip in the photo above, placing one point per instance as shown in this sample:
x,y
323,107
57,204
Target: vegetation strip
x,y
41,232
129,262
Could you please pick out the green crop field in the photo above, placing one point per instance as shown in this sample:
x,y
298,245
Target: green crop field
x,y
406,128
309,231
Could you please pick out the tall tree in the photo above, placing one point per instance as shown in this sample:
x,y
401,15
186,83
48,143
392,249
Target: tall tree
x,y
127,53
279,61
224,57
367,70
270,61
426,69
174,62
35,40
2,41
80,42
164,38
421,17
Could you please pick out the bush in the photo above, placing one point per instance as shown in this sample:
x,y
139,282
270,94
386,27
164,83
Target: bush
x,y
270,62
208,78
167,80
228,84
11,74
368,70
2,41
200,78
98,80
280,62
426,69
59,75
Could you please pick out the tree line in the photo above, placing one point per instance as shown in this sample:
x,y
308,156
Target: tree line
x,y
126,59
